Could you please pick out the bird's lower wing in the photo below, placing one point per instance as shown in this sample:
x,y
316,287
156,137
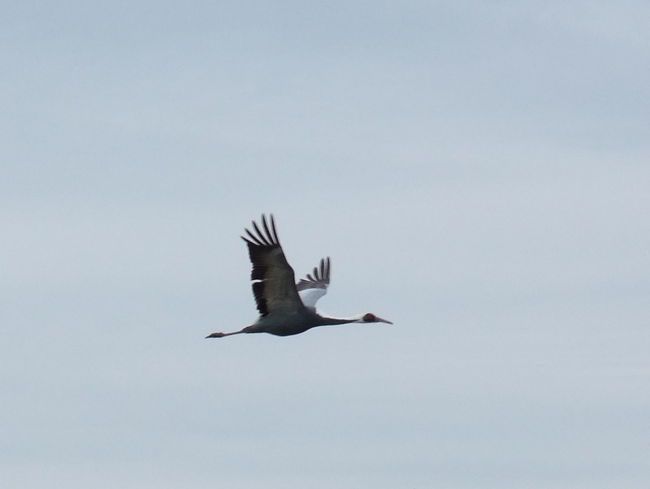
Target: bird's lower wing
x,y
315,285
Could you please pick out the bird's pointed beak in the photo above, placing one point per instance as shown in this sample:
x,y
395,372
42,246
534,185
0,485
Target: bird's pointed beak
x,y
380,320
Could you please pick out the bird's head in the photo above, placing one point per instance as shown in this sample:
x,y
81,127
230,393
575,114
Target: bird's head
x,y
371,318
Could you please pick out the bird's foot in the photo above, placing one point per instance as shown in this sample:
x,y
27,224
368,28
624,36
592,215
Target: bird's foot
x,y
216,335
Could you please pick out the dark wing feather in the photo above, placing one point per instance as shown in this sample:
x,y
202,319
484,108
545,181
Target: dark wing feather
x,y
318,279
273,278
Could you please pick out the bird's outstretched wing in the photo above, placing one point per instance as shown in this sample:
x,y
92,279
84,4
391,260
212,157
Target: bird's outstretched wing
x,y
273,278
315,285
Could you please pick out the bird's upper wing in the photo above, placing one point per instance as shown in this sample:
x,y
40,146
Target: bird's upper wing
x,y
273,278
315,285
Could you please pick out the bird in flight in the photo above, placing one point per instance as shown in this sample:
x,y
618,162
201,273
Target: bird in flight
x,y
286,307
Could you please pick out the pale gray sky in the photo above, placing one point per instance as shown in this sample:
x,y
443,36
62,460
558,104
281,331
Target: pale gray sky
x,y
478,172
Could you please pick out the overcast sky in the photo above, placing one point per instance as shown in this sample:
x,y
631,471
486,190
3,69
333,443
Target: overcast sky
x,y
479,173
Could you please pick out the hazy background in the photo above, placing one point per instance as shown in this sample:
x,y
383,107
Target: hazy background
x,y
479,173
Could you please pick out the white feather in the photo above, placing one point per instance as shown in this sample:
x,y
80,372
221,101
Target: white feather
x,y
309,297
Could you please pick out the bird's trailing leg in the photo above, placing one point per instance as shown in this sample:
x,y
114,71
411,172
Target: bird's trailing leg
x,y
221,335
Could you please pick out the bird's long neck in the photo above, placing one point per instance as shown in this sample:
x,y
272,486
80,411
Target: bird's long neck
x,y
325,321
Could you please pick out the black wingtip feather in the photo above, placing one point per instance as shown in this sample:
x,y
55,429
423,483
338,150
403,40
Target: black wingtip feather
x,y
260,235
266,229
255,239
263,235
318,278
274,233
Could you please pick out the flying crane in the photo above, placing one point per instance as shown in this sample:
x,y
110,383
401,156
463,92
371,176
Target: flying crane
x,y
286,307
